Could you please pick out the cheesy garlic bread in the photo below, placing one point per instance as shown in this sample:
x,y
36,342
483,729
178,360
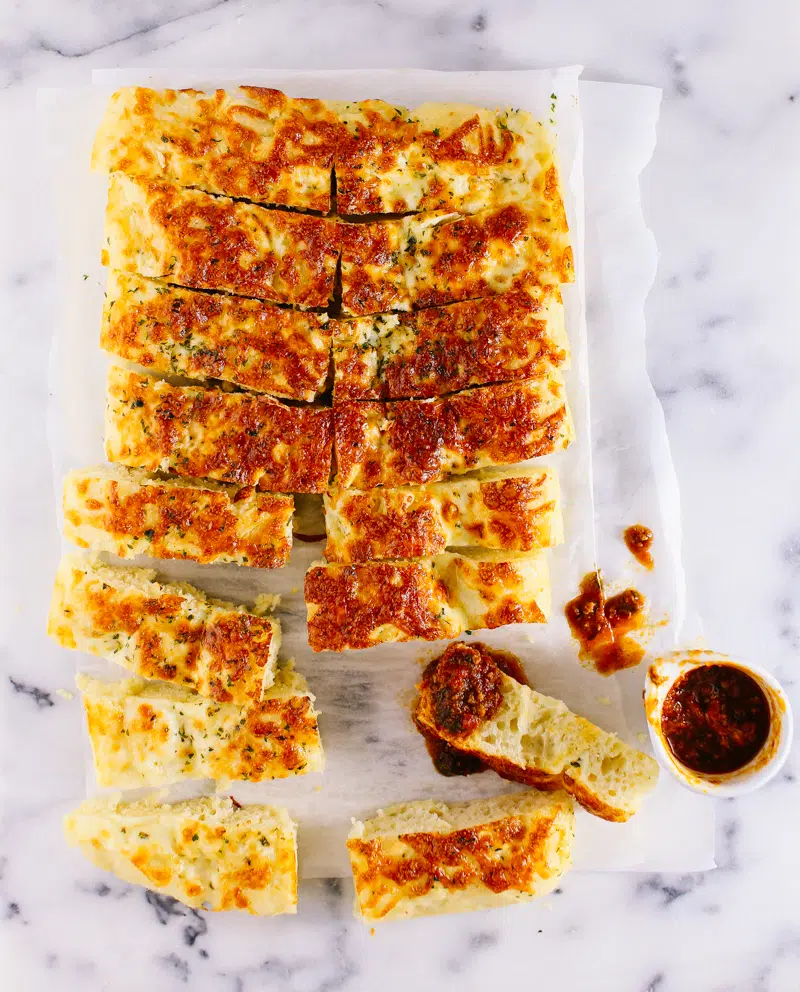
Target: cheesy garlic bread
x,y
208,853
168,631
359,606
148,733
468,702
425,857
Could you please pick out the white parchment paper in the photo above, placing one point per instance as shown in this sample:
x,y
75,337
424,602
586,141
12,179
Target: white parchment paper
x,y
375,757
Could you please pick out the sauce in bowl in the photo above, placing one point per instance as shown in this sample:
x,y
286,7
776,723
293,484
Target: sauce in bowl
x,y
715,719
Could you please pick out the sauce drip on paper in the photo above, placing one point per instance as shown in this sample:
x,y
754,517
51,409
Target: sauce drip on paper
x,y
601,626
639,541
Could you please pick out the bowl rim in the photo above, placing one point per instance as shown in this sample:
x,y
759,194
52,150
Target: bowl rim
x,y
735,783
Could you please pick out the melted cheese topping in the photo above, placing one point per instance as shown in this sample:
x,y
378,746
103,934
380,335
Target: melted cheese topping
x,y
373,267
176,331
258,144
359,606
418,441
432,352
163,631
512,511
154,733
208,433
128,513
248,142
426,857
207,853
443,157
160,230
537,740
446,257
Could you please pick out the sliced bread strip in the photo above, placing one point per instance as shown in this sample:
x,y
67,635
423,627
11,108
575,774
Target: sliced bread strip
x,y
207,853
465,700
149,733
427,857
169,631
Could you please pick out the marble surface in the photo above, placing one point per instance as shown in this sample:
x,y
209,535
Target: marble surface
x,y
722,199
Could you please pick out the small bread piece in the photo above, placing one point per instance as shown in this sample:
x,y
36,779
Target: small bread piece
x,y
432,352
429,260
359,606
450,257
373,269
425,857
243,438
404,442
443,156
187,237
247,142
467,701
175,331
207,853
127,512
163,631
514,510
153,733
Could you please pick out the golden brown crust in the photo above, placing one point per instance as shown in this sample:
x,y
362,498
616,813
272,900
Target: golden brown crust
x,y
206,242
177,331
373,276
418,441
161,632
358,606
443,157
444,349
248,142
513,512
456,861
494,251
207,433
140,737
208,853
129,515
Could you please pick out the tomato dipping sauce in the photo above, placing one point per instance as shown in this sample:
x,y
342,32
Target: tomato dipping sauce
x,y
638,540
715,719
448,760
600,625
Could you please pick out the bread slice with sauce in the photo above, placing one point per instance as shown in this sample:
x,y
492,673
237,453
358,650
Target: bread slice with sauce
x,y
468,702
207,853
427,857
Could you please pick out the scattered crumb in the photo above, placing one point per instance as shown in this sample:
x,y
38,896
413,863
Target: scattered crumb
x,y
318,788
641,738
18,608
604,700
372,931
65,693
294,589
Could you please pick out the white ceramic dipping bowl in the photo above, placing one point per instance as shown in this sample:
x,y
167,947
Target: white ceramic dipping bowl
x,y
661,676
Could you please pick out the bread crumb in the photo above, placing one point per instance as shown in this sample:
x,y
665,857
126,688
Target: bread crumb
x,y
294,589
604,700
65,694
641,738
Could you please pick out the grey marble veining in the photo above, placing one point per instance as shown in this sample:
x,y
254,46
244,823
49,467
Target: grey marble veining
x,y
724,354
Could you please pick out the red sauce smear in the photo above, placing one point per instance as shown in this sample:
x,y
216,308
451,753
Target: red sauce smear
x,y
601,625
715,719
449,761
639,540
